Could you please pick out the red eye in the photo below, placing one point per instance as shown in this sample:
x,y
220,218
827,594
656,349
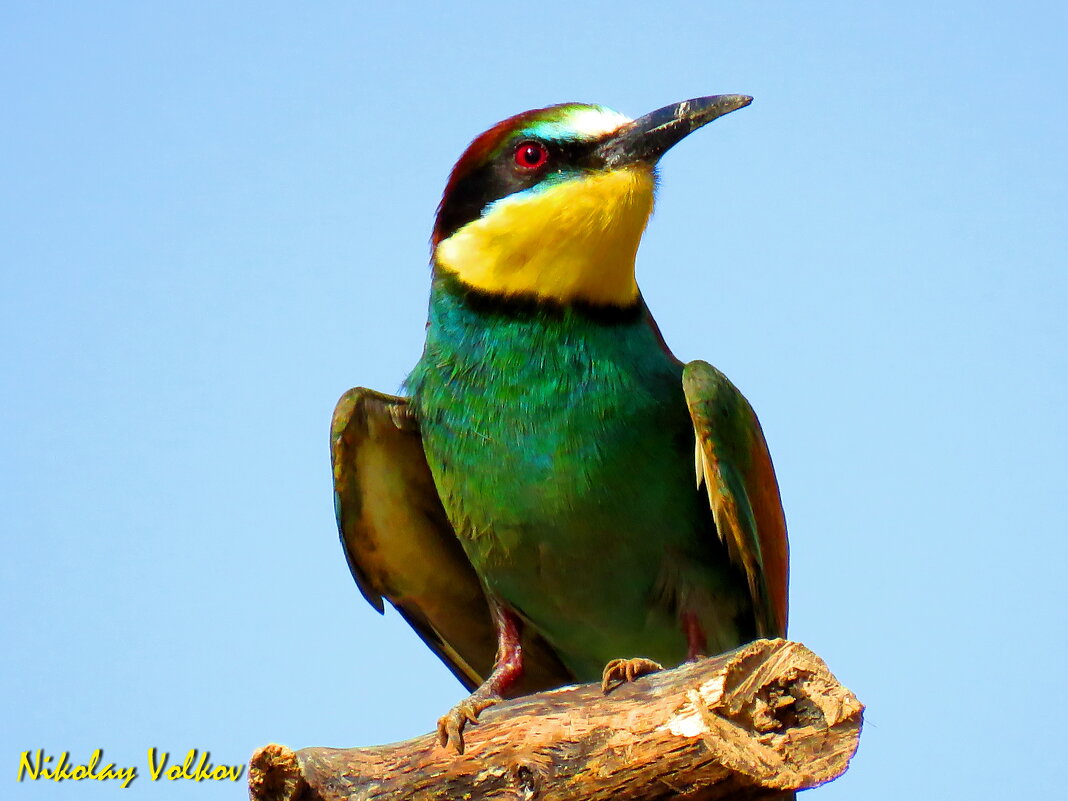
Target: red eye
x,y
531,155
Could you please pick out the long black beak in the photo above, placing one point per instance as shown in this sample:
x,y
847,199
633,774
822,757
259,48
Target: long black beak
x,y
650,137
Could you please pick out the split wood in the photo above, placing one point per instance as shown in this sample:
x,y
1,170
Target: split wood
x,y
750,724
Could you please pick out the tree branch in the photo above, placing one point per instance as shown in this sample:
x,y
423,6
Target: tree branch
x,y
766,718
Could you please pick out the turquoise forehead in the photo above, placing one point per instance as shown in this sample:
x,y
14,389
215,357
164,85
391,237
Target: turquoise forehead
x,y
575,122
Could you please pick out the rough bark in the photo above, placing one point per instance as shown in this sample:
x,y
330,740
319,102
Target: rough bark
x,y
750,724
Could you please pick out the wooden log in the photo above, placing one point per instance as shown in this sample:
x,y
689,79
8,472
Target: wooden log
x,y
766,718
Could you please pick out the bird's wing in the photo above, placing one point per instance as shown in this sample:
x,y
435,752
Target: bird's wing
x,y
401,546
734,464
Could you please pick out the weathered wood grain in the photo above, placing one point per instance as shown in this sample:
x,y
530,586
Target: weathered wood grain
x,y
750,724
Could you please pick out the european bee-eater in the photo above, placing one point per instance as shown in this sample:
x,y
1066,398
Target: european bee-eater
x,y
534,508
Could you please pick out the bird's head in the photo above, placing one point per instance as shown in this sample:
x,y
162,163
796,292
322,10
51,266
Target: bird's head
x,y
550,204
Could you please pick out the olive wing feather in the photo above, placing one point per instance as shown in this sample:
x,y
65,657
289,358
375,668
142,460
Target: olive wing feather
x,y
401,547
734,464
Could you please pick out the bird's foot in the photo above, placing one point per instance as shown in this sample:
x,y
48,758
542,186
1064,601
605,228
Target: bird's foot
x,y
451,724
507,670
621,671
696,641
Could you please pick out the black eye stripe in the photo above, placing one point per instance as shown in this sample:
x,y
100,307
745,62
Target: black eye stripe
x,y
499,178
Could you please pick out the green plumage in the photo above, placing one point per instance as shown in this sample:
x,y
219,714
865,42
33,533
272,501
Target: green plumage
x,y
560,499
562,449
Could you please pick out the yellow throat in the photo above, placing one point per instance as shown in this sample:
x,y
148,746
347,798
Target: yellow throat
x,y
571,241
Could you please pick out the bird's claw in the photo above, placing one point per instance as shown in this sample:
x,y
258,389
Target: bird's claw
x,y
621,671
451,724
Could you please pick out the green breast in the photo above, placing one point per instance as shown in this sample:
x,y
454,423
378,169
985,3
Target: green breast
x,y
562,448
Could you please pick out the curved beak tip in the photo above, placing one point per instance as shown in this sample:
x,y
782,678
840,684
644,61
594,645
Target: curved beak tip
x,y
647,138
709,108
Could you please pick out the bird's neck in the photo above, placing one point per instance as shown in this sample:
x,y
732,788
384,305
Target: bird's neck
x,y
460,308
475,338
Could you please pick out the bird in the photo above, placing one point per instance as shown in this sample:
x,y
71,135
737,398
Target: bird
x,y
557,498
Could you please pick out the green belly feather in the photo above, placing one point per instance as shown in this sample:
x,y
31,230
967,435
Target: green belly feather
x,y
562,449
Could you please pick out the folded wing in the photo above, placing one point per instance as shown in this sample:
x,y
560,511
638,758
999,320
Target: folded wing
x,y
733,462
400,545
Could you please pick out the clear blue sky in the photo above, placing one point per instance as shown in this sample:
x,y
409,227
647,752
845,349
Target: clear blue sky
x,y
214,220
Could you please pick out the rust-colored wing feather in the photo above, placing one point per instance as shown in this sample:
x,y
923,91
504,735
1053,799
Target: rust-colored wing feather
x,y
734,464
401,547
